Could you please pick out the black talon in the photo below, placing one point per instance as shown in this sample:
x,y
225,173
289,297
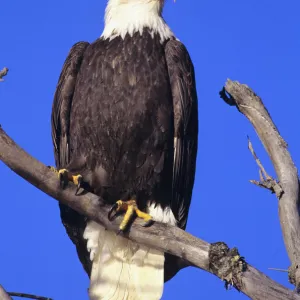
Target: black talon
x,y
79,185
112,209
63,178
53,169
148,223
120,231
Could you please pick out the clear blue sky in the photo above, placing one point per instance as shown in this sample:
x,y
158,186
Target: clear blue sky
x,y
255,42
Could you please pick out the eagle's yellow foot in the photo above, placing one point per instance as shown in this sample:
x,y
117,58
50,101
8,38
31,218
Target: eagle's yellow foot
x,y
131,210
65,176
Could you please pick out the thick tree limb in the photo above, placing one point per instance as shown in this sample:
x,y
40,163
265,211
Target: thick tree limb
x,y
249,104
215,258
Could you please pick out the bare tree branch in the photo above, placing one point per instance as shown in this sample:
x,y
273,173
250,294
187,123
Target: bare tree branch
x,y
266,181
6,295
215,258
3,294
279,270
28,296
249,104
3,73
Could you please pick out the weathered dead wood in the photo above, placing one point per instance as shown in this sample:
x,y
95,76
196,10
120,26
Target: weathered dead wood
x,y
215,258
287,190
3,294
3,73
265,180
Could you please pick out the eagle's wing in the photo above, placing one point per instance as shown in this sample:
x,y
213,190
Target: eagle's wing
x,y
60,121
60,118
182,79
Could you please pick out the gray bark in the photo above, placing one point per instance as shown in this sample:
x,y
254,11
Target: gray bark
x,y
249,104
215,258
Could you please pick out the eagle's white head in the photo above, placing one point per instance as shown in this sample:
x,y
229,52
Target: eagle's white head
x,y
129,16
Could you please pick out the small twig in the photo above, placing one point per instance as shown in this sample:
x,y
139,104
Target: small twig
x,y
29,296
261,177
263,172
265,180
3,73
279,270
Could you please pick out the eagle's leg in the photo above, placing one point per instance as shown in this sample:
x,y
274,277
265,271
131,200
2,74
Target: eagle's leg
x,y
65,176
131,210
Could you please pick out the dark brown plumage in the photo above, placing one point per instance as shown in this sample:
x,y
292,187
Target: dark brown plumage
x,y
117,108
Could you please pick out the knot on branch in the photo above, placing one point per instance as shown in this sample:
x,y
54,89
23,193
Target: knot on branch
x,y
270,184
294,276
227,264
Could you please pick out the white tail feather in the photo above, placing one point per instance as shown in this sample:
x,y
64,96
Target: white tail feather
x,y
122,269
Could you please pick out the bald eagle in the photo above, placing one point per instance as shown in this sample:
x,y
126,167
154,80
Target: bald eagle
x,y
125,126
